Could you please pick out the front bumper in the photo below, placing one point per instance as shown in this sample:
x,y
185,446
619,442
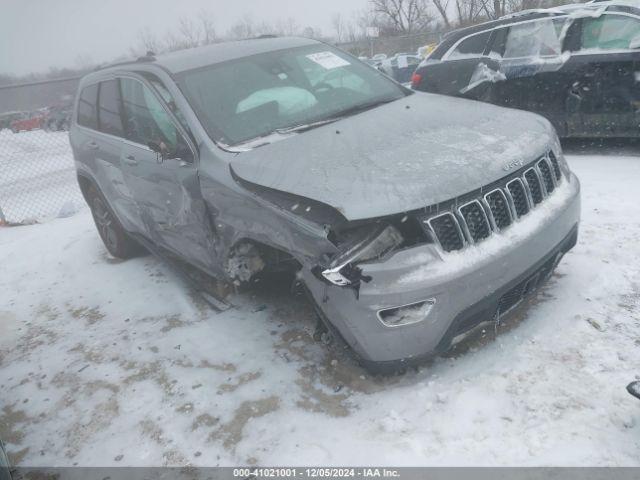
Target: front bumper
x,y
467,286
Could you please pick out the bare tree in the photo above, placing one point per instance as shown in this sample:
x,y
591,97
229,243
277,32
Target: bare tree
x,y
402,16
338,26
243,28
189,32
207,27
287,26
148,41
311,32
442,7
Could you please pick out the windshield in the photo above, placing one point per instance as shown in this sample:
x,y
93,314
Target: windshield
x,y
254,96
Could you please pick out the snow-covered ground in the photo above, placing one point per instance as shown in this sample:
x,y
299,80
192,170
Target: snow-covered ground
x,y
119,363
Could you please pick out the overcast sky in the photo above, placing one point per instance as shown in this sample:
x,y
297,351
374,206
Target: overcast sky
x,y
38,34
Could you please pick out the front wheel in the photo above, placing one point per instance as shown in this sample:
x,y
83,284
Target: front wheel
x,y
115,238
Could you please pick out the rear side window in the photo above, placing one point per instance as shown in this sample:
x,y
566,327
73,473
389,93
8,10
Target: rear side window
x,y
109,114
609,32
87,113
471,47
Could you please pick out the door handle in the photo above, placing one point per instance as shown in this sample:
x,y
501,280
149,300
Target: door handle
x,y
93,146
130,160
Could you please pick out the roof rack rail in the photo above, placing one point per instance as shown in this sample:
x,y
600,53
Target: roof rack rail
x,y
148,57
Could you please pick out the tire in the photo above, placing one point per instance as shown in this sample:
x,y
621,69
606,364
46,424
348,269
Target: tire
x,y
117,241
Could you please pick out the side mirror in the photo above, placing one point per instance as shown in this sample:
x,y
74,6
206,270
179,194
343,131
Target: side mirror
x,y
635,42
161,149
181,153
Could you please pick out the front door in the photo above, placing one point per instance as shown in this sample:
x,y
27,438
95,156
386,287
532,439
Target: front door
x,y
161,169
532,67
606,87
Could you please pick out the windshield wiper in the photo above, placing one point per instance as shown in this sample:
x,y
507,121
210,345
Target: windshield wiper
x,y
247,144
344,113
306,126
365,106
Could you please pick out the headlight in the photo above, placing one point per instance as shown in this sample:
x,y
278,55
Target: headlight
x,y
374,243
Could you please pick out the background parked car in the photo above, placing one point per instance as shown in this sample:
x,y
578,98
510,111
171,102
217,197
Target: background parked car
x,y
58,118
8,117
29,122
401,66
578,66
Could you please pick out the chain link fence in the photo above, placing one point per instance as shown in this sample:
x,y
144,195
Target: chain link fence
x,y
37,173
37,177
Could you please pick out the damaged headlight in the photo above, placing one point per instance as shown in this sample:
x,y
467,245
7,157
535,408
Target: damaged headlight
x,y
374,243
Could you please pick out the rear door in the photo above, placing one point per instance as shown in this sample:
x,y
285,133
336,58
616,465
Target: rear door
x,y
165,186
606,85
465,71
107,145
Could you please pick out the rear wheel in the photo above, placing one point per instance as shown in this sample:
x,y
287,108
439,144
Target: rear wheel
x,y
115,238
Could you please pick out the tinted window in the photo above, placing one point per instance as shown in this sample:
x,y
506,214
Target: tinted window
x,y
87,114
147,120
251,97
541,38
109,115
609,32
473,46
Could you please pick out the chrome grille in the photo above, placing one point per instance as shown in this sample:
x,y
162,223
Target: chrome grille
x,y
547,176
447,232
498,209
519,198
556,167
535,187
474,221
510,199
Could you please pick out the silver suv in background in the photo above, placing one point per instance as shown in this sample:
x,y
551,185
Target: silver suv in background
x,y
410,218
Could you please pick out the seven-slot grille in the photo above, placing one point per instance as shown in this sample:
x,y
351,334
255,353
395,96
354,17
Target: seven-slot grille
x,y
547,176
498,209
474,221
447,231
535,187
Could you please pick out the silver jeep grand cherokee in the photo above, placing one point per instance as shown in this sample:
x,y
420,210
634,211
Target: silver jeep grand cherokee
x,y
410,218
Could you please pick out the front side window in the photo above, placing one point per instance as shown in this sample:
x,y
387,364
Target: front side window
x,y
147,120
471,47
251,97
109,114
541,38
87,111
609,32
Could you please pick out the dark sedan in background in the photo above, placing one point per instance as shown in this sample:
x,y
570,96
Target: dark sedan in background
x,y
577,65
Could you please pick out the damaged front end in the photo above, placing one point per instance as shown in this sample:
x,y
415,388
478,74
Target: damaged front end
x,y
368,243
345,245
373,240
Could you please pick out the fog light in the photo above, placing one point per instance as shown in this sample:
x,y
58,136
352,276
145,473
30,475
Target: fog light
x,y
406,314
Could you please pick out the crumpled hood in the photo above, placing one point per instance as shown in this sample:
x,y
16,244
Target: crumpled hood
x,y
414,152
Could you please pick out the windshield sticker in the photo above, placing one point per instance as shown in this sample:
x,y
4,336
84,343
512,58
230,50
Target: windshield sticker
x,y
328,60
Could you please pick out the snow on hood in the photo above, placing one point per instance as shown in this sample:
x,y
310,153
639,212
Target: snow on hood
x,y
405,155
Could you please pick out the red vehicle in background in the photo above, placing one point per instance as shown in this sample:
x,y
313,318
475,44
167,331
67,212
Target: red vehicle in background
x,y
29,122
